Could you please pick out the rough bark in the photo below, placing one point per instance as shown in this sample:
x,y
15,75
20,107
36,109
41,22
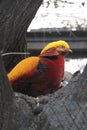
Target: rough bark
x,y
15,17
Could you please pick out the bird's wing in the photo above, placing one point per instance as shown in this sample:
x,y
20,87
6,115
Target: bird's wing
x,y
27,68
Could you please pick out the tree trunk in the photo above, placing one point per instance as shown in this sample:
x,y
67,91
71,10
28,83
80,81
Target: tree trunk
x,y
6,99
15,17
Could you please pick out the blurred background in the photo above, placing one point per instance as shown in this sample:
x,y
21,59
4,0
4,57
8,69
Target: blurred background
x,y
67,14
61,20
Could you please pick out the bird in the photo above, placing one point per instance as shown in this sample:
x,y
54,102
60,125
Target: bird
x,y
42,74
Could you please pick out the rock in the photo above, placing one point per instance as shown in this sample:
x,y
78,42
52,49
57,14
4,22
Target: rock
x,y
67,76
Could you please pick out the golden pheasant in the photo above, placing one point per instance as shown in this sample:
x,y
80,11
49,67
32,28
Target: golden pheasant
x,y
40,75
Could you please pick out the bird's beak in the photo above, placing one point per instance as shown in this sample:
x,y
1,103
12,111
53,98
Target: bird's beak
x,y
66,51
69,50
63,51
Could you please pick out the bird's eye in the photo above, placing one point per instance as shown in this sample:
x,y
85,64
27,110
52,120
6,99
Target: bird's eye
x,y
62,46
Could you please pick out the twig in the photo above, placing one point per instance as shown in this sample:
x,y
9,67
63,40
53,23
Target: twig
x,y
15,53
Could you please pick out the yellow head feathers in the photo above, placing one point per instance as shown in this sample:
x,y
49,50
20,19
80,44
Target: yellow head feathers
x,y
55,44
